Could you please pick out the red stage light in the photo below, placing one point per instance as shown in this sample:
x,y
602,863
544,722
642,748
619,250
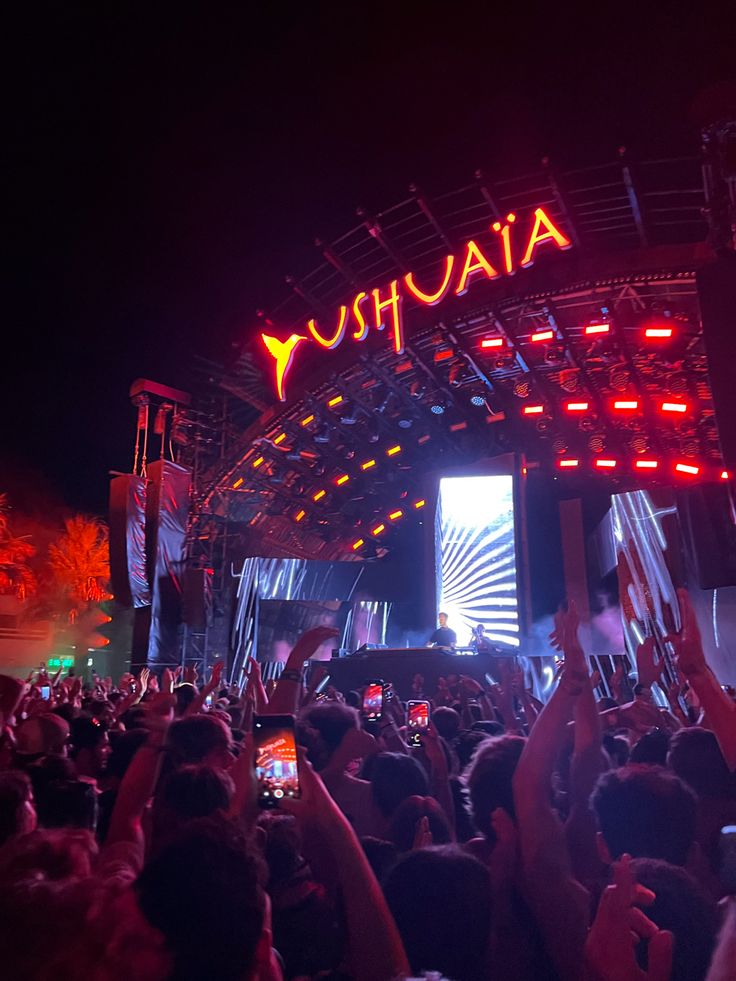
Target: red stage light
x,y
336,401
577,406
646,464
658,332
423,439
279,439
674,407
419,504
342,480
624,404
393,450
456,427
378,529
356,545
238,483
725,475
597,329
687,468
395,515
489,342
257,462
542,335
305,422
606,464
443,355
319,495
533,410
568,463
299,515
368,464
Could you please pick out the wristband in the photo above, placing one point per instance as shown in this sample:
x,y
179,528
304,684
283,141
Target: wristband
x,y
290,675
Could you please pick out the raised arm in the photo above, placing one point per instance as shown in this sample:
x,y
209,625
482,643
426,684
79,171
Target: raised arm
x,y
285,699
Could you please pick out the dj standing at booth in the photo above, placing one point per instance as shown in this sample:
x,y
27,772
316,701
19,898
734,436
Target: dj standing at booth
x,y
443,635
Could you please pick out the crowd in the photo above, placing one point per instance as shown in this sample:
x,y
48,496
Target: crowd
x,y
581,839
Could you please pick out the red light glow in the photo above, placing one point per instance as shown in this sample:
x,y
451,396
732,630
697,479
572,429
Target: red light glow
x,y
423,439
646,464
568,463
597,329
674,407
456,427
542,335
443,355
395,515
432,298
378,529
725,475
577,406
368,464
533,410
658,332
626,404
605,464
687,468
489,342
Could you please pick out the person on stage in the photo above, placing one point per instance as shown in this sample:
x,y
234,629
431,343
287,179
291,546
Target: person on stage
x,y
443,635
478,640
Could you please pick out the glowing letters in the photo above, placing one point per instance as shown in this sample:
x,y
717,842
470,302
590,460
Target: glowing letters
x,y
385,310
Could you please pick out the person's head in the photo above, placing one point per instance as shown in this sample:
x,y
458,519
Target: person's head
x,y
617,747
644,811
185,693
193,791
442,619
90,745
17,812
467,742
403,827
683,908
440,899
394,777
41,735
696,758
652,748
53,855
446,721
207,883
489,780
643,693
62,799
323,726
200,739
382,855
123,747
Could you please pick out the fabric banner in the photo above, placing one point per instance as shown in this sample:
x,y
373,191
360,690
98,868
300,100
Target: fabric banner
x,y
127,515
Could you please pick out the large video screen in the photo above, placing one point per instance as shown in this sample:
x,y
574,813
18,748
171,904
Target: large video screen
x,y
477,557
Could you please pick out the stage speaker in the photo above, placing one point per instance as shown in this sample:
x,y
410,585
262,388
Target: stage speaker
x,y
195,594
127,521
709,531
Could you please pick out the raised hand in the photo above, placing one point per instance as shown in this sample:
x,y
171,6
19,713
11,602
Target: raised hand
x,y
617,680
308,643
422,835
619,926
190,675
648,668
167,681
687,644
214,683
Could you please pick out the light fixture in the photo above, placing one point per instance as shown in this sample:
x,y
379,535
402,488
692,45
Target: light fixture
x,y
393,450
319,495
368,465
437,408
307,420
477,400
238,483
491,342
357,544
605,464
597,328
378,529
334,401
577,406
420,504
568,463
646,464
395,515
626,405
533,410
673,407
687,468
542,335
661,332
342,479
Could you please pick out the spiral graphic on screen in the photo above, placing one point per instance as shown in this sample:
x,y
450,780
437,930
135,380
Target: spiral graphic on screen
x,y
478,557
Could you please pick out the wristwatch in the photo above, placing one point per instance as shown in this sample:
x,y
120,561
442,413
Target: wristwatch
x,y
290,675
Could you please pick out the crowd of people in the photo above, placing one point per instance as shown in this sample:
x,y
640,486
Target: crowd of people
x,y
583,838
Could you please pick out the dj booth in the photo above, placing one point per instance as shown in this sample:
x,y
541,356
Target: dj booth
x,y
399,665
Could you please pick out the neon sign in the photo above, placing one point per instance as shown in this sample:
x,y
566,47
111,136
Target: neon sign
x,y
382,307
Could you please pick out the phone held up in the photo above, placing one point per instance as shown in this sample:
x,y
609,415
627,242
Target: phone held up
x,y
727,858
417,720
277,767
46,691
373,701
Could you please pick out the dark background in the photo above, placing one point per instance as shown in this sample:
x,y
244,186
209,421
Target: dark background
x,y
168,167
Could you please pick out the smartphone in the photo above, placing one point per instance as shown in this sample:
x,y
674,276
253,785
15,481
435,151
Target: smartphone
x,y
277,771
373,700
208,700
46,691
727,859
417,720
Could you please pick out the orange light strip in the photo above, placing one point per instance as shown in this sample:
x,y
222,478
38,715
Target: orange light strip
x,y
395,514
533,410
238,483
687,468
488,342
577,406
674,407
606,464
646,464
299,515
378,529
305,422
626,404
419,504
393,450
257,462
319,495
368,464
658,332
279,439
333,402
342,480
356,545
542,335
568,462
598,329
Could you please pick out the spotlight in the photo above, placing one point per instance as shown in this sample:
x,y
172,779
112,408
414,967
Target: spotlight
x,y
478,400
521,388
405,422
437,408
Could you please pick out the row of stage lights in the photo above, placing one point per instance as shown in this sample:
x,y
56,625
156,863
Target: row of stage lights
x,y
646,466
592,329
666,406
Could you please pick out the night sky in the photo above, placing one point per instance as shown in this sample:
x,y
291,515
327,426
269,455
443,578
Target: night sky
x,y
167,168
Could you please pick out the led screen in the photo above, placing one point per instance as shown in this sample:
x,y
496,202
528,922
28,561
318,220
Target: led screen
x,y
477,557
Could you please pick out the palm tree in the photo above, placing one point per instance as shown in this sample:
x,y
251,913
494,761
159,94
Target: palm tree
x,y
80,562
16,576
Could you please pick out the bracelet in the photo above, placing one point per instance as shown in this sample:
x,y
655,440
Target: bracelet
x,y
290,675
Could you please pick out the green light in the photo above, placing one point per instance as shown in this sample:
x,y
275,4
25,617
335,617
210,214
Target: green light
x,y
60,662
